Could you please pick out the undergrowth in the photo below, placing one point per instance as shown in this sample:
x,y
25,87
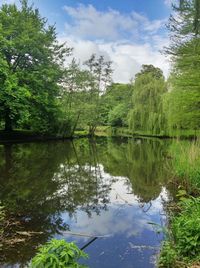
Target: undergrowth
x,y
182,247
186,165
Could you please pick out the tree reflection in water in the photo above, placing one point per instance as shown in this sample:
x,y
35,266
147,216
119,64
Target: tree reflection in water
x,y
40,181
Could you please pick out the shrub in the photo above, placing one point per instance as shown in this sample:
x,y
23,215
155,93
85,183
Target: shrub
x,y
168,255
58,253
186,228
184,243
183,246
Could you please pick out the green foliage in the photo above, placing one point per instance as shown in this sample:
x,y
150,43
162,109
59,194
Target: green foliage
x,y
186,23
168,255
117,116
58,253
182,101
100,72
150,69
184,243
186,164
182,247
115,104
81,96
147,111
186,228
31,67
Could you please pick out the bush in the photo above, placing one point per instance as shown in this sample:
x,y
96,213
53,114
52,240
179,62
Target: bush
x,y
183,245
186,228
168,255
58,253
118,116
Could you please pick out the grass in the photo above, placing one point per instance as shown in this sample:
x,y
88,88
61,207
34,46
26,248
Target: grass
x,y
182,247
103,131
186,165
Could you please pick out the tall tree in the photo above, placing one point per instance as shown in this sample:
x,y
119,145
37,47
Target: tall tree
x,y
73,98
147,112
31,63
182,102
100,78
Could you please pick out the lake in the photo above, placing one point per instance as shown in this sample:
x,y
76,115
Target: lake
x,y
113,189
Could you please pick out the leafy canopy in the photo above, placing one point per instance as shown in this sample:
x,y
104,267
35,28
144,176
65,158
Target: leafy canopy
x,y
31,66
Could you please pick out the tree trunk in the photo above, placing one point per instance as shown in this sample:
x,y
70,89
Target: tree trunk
x,y
8,121
75,125
92,131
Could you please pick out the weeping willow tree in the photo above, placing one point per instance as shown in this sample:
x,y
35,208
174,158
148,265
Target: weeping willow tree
x,y
146,114
182,103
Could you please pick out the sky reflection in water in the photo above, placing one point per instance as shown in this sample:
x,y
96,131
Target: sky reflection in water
x,y
103,187
130,240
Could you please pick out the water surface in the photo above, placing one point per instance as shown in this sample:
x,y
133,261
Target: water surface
x,y
113,188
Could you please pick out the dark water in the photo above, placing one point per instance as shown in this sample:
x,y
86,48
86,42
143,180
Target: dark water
x,y
111,188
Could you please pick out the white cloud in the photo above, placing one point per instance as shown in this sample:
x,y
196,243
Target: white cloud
x,y
128,40
127,58
168,3
144,24
133,219
88,22
110,25
9,1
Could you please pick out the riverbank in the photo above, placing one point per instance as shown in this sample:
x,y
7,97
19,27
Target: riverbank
x,y
182,245
126,132
29,136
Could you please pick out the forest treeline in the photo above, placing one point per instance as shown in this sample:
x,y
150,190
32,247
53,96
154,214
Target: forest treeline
x,y
41,94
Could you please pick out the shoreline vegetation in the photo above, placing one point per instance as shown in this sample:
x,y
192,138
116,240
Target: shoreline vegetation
x,y
181,248
107,131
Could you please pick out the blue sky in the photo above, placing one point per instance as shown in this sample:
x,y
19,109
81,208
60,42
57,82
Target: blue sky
x,y
154,9
128,32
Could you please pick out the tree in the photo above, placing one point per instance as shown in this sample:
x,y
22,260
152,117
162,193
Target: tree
x,y
117,117
147,112
31,66
186,22
115,104
73,97
100,78
182,103
150,69
82,90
